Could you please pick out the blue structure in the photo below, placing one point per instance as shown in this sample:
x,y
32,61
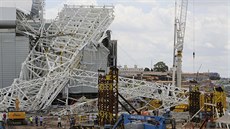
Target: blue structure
x,y
149,122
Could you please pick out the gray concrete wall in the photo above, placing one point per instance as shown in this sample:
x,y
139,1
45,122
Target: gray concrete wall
x,y
7,60
83,89
13,51
92,61
7,17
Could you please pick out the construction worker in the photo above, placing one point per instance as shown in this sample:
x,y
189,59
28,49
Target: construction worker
x,y
96,122
4,117
36,120
157,112
59,122
90,118
41,120
72,121
167,113
31,120
173,122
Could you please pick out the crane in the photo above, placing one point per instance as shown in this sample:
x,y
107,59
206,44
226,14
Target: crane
x,y
179,33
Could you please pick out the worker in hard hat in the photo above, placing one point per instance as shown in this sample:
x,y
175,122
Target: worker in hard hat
x,y
36,120
41,120
31,120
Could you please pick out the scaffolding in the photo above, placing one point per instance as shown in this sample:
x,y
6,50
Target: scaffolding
x,y
206,105
108,96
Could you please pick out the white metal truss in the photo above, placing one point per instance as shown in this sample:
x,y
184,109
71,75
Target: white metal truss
x,y
33,24
180,20
24,27
56,53
132,87
38,11
55,59
129,88
180,24
26,92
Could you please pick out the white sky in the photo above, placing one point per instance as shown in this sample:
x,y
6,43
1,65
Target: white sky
x,y
144,30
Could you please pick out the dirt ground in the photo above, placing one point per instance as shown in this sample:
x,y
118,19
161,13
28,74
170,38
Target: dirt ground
x,y
31,127
49,122
35,127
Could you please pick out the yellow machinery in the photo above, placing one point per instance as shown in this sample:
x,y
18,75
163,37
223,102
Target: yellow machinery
x,y
181,108
154,104
15,116
211,103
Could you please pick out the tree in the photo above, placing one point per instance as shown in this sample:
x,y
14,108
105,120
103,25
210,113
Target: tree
x,y
160,67
146,69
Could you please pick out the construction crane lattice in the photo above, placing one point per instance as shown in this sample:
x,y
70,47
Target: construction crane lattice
x,y
179,33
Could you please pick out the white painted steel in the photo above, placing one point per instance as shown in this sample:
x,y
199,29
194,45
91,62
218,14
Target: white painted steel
x,y
129,88
55,58
181,15
180,24
56,53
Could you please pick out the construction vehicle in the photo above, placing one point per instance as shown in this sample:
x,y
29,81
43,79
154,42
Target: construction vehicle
x,y
181,108
130,121
15,116
154,104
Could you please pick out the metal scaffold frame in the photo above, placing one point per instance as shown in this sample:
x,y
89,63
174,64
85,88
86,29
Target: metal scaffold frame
x,y
108,96
129,88
55,60
54,56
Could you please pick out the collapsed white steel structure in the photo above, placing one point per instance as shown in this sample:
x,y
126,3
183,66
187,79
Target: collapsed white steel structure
x,y
129,88
57,51
54,61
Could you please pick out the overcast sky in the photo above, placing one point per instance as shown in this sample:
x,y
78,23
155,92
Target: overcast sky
x,y
144,30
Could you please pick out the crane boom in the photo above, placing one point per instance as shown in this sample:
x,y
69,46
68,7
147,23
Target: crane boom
x,y
180,24
37,9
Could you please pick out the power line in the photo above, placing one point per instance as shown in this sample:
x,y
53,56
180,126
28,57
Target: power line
x,y
128,54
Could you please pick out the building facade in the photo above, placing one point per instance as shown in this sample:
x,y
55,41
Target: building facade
x,y
14,47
